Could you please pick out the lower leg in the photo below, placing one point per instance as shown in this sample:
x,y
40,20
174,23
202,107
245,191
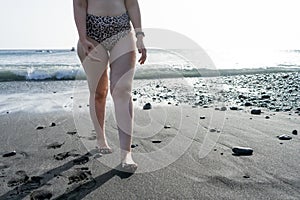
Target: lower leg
x,y
122,71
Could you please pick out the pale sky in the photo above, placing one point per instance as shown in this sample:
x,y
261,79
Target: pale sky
x,y
213,24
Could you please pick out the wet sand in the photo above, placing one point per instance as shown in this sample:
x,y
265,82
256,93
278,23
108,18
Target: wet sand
x,y
184,151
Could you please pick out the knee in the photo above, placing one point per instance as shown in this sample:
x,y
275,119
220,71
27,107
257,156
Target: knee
x,y
100,95
121,92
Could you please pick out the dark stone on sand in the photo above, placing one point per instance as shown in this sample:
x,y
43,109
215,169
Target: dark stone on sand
x,y
265,96
134,99
248,104
81,160
55,145
267,117
202,117
9,154
39,127
7,112
205,106
295,132
213,130
284,137
246,176
242,96
156,141
52,124
134,145
256,112
233,108
71,132
147,106
169,103
157,86
167,126
40,195
223,108
242,150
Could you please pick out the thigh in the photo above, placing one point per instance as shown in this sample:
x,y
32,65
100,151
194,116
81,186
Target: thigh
x,y
124,46
122,71
95,71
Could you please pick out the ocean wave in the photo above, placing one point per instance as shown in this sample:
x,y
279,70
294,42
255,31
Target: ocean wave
x,y
77,73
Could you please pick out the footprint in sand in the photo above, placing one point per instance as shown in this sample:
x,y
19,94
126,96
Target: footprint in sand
x,y
64,155
20,178
55,145
80,161
78,175
40,194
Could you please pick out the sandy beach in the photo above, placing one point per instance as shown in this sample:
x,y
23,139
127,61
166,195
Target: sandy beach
x,y
184,151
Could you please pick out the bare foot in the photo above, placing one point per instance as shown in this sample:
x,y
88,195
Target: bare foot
x,y
126,157
127,163
103,147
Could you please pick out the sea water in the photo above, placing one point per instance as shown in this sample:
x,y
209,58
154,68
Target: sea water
x,y
27,65
45,80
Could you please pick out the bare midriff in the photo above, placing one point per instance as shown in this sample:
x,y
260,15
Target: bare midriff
x,y
106,7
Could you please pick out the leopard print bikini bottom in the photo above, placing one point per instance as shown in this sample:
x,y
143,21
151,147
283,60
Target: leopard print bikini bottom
x,y
108,30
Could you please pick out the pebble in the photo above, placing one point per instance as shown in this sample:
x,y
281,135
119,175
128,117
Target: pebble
x,y
223,108
202,117
256,112
156,141
39,127
295,132
9,154
147,106
248,104
233,108
52,124
266,96
267,117
242,150
134,145
213,130
71,132
167,126
284,137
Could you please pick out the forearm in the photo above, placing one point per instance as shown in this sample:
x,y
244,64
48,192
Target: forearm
x,y
80,7
133,9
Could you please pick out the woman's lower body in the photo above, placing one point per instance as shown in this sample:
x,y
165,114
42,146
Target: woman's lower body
x,y
114,47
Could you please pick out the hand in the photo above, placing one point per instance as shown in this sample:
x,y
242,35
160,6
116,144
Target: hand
x,y
89,49
142,50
